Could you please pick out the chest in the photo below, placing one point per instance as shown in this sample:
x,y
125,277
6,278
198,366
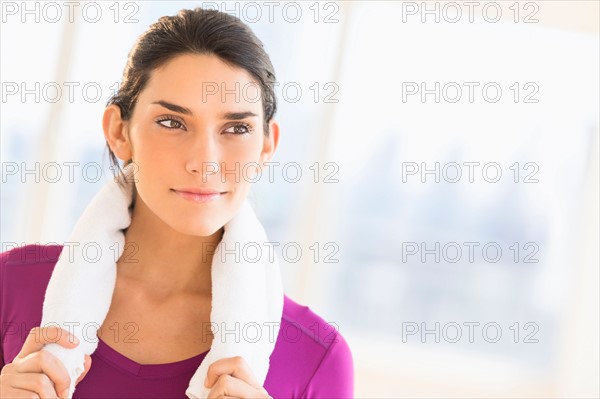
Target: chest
x,y
151,332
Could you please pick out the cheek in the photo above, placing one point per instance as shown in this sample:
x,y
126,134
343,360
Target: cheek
x,y
148,146
152,160
244,158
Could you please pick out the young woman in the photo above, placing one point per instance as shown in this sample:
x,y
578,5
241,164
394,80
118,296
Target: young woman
x,y
165,120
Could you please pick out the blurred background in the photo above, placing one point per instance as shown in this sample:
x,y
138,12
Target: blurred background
x,y
447,206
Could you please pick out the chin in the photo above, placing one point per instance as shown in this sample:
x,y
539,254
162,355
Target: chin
x,y
202,228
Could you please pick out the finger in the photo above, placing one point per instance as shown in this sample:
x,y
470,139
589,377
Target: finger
x,y
86,367
234,366
229,386
40,336
20,394
33,383
48,364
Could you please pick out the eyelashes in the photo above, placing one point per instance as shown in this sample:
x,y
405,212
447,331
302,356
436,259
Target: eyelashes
x,y
172,122
242,125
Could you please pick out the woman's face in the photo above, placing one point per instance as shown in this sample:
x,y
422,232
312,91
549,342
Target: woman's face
x,y
197,125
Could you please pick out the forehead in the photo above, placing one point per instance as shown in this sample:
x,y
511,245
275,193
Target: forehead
x,y
199,81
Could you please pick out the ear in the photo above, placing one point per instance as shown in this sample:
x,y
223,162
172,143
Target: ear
x,y
115,132
270,143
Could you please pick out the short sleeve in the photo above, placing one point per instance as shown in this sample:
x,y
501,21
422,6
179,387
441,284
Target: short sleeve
x,y
334,378
3,258
24,274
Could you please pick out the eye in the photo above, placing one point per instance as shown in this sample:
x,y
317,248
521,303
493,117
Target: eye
x,y
240,129
170,122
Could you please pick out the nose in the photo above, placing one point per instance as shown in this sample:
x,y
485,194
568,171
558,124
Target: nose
x,y
202,153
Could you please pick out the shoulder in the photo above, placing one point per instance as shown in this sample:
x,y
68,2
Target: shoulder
x,y
24,275
27,265
314,352
29,254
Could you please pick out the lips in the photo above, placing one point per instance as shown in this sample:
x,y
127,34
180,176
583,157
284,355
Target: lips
x,y
199,195
192,190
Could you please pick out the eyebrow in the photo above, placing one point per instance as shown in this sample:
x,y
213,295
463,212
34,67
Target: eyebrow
x,y
187,111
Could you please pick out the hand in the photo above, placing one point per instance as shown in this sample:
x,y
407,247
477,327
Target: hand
x,y
232,378
36,373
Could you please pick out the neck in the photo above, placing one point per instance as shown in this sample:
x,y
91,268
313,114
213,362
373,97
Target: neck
x,y
162,261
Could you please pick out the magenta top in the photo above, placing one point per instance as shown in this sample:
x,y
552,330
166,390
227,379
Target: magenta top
x,y
311,359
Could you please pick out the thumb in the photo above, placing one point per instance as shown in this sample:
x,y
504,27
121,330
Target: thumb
x,y
87,364
38,337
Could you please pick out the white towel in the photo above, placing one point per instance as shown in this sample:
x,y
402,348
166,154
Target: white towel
x,y
247,290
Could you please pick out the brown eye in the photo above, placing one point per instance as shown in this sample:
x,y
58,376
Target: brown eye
x,y
170,123
240,129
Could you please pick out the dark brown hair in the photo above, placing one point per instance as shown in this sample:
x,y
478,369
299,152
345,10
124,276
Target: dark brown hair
x,y
196,31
